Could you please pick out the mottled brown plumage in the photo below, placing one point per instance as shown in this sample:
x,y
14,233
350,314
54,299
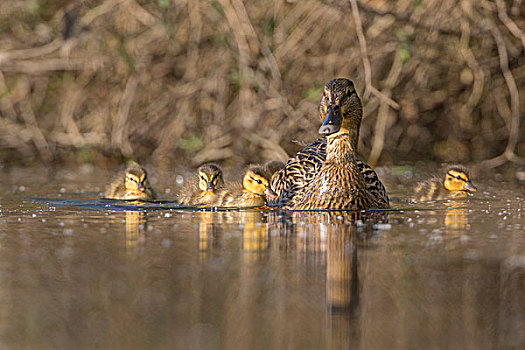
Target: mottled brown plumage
x,y
252,193
455,183
133,184
203,191
326,173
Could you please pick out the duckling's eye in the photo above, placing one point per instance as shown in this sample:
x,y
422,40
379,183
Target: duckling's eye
x,y
259,181
459,178
203,178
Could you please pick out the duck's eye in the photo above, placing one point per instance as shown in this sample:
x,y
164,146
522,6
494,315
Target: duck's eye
x,y
203,178
259,181
459,178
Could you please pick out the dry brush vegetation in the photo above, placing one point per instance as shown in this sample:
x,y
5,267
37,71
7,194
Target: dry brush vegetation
x,y
235,81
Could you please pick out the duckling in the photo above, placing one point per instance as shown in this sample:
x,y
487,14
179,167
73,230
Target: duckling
x,y
253,191
455,184
132,184
204,192
273,166
326,173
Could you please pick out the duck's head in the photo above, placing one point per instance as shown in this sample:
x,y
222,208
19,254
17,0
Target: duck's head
x,y
340,108
210,177
458,179
136,179
257,180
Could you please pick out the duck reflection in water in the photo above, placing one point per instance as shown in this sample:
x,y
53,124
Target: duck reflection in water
x,y
337,237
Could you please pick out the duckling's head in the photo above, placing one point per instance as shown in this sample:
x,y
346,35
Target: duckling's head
x,y
257,180
273,166
458,179
136,179
210,177
340,108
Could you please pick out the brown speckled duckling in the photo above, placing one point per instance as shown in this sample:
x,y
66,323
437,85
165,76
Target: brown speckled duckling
x,y
133,184
252,193
455,184
205,191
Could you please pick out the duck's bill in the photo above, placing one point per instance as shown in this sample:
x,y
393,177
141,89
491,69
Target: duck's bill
x,y
270,193
332,122
470,187
141,187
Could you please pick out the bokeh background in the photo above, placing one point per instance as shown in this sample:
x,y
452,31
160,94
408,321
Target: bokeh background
x,y
185,82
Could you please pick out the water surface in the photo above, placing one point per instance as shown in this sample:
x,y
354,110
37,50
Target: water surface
x,y
80,272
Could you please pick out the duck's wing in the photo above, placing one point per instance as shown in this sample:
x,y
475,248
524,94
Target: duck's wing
x,y
300,170
373,184
298,173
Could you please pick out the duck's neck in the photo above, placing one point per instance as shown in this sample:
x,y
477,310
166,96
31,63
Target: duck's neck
x,y
341,145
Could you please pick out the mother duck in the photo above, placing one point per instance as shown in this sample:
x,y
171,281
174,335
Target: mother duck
x,y
326,174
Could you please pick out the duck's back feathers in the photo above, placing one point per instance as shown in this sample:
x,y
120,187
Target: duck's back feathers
x,y
300,170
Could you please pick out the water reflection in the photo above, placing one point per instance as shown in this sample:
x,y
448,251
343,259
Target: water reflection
x,y
456,217
207,231
135,226
168,277
512,308
255,232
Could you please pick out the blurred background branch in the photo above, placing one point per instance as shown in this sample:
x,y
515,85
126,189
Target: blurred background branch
x,y
235,81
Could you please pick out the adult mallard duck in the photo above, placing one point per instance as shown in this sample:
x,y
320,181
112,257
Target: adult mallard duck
x,y
133,184
205,191
455,184
252,193
326,174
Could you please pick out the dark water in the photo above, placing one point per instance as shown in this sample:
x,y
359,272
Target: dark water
x,y
79,272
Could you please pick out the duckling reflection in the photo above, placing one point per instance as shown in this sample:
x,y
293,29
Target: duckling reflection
x,y
456,217
135,226
209,231
255,232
